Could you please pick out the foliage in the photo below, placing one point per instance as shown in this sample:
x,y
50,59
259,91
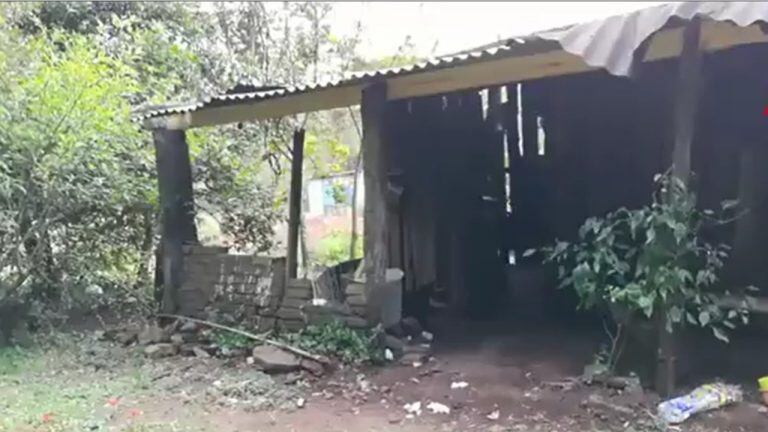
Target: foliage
x,y
652,260
334,249
335,339
229,340
74,170
78,193
12,359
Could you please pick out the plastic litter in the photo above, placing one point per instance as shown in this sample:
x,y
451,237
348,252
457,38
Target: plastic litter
x,y
438,408
413,408
459,385
704,398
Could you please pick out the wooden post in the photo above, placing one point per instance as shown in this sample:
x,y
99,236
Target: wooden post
x,y
174,177
372,109
686,99
294,203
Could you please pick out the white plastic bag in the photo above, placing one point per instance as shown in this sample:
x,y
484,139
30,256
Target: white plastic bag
x,y
704,398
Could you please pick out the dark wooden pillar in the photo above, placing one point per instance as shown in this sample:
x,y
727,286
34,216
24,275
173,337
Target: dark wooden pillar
x,y
686,106
294,203
372,109
174,177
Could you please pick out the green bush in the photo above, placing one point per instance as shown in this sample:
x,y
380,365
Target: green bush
x,y
334,248
652,260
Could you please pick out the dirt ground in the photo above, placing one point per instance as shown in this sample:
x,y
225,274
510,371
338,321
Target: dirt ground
x,y
516,380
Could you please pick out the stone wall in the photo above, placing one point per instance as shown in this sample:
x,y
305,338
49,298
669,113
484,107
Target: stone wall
x,y
243,288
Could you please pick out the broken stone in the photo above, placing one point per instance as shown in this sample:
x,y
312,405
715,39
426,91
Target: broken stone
x,y
160,350
200,353
152,334
597,402
395,344
272,359
126,337
178,338
312,367
188,327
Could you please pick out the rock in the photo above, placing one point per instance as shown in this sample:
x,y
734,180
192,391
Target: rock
x,y
200,353
126,337
152,334
188,327
160,350
409,359
179,338
228,352
599,403
395,344
312,367
356,322
411,326
272,359
394,419
396,331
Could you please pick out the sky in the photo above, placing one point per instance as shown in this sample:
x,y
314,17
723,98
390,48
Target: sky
x,y
438,28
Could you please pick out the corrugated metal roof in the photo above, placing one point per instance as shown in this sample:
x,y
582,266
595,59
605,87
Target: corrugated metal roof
x,y
607,43
610,43
517,46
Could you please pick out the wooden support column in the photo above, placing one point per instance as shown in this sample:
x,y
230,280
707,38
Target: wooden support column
x,y
294,203
686,98
372,109
174,176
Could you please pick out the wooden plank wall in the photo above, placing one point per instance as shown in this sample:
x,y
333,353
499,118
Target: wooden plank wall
x,y
605,139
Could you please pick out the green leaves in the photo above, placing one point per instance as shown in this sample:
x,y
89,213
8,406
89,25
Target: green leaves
x,y
649,260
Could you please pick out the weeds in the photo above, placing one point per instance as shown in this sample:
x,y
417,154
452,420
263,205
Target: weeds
x,y
334,339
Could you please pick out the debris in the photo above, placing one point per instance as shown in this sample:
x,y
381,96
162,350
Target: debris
x,y
300,402
275,360
427,336
126,337
598,402
249,360
152,334
159,350
262,339
178,339
312,367
763,385
388,354
438,408
411,326
493,415
188,327
395,344
200,353
704,398
417,364
413,408
459,385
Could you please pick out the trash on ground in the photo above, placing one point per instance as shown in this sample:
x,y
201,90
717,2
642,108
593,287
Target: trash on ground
x,y
493,415
388,354
413,408
438,408
427,336
459,385
763,384
704,398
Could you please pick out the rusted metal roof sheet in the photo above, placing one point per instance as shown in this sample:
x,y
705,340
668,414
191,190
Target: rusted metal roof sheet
x,y
608,43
